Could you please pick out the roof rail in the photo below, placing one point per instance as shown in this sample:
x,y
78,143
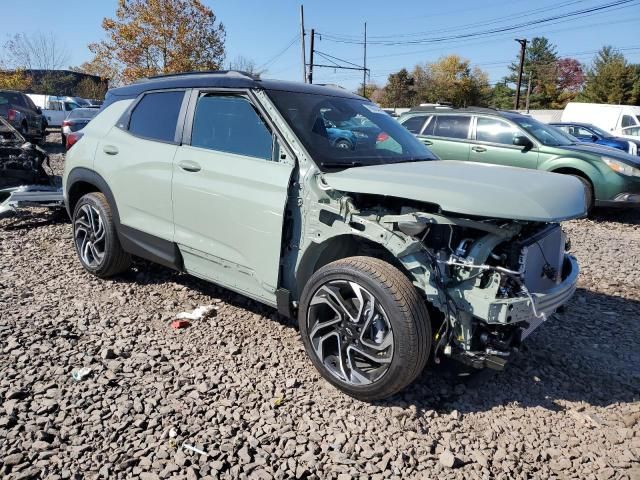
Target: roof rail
x,y
230,73
434,108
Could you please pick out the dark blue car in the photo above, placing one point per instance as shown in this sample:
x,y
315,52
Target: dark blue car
x,y
585,132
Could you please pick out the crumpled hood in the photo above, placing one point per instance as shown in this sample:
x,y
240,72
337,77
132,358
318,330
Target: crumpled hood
x,y
470,188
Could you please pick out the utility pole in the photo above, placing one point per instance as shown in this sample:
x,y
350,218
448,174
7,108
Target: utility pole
x,y
523,48
311,48
364,71
304,60
528,91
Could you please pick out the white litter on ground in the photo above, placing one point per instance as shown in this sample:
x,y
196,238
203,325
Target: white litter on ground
x,y
197,314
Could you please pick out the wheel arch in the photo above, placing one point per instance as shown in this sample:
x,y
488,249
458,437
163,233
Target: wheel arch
x,y
586,170
345,245
81,181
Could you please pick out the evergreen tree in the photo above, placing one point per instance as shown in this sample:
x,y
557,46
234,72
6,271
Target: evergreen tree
x,y
611,79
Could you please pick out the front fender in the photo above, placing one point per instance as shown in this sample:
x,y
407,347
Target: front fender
x,y
594,173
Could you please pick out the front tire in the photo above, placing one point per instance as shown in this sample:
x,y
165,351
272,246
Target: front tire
x,y
96,239
590,197
365,327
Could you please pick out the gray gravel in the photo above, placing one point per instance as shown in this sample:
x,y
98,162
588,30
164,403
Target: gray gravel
x,y
238,386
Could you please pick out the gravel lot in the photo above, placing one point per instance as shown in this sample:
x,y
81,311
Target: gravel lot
x,y
239,387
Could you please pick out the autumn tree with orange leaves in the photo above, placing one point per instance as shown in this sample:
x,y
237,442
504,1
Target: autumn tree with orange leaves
x,y
151,37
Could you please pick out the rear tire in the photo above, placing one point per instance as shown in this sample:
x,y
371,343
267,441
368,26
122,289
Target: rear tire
x,y
365,327
95,237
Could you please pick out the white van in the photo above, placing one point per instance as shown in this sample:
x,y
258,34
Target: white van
x,y
55,109
612,118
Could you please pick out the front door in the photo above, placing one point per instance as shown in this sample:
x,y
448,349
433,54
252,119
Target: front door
x,y
494,144
448,136
229,195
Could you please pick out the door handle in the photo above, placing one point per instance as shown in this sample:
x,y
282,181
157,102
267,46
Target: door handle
x,y
110,150
426,142
478,149
189,166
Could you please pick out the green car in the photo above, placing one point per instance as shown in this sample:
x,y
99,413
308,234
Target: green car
x,y
612,178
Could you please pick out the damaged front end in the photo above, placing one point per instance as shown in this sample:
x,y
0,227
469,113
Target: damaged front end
x,y
488,282
21,163
23,179
494,281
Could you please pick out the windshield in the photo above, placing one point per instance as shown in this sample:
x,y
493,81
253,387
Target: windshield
x,y
600,132
545,134
343,132
568,136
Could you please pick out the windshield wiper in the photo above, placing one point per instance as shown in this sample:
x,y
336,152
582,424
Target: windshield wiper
x,y
413,160
341,164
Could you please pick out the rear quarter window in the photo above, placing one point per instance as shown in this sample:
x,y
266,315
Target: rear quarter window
x,y
414,124
155,116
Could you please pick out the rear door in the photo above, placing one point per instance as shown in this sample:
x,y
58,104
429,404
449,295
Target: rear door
x,y
230,185
136,160
448,136
493,143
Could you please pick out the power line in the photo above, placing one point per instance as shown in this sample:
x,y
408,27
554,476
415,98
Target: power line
x,y
573,14
498,37
526,13
278,55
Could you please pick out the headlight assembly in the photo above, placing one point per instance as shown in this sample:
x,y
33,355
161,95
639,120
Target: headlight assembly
x,y
621,167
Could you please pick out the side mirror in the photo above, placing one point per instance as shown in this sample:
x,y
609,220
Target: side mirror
x,y
522,141
39,110
594,138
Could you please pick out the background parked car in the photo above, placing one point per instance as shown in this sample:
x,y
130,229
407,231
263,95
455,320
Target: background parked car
x,y
586,132
611,177
22,114
55,109
611,118
632,133
77,120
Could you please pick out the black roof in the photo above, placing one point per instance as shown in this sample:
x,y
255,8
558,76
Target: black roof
x,y
219,79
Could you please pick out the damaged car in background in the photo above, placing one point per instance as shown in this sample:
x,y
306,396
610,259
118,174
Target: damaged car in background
x,y
23,178
385,254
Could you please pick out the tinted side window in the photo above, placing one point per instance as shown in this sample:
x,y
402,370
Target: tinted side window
x,y
414,124
229,123
451,126
53,105
495,131
30,103
156,116
628,121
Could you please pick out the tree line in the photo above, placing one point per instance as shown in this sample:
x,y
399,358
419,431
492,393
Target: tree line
x,y
145,38
151,37
555,81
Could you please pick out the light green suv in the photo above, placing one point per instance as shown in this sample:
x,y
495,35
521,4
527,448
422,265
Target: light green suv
x,y
385,254
611,177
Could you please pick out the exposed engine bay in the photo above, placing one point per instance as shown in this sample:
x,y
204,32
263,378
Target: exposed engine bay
x,y
488,282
